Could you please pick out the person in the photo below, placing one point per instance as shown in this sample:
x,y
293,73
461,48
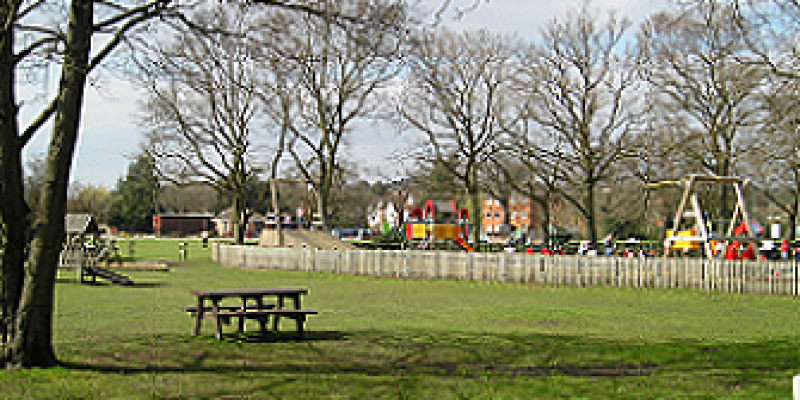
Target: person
x,y
608,243
719,248
584,247
205,239
785,249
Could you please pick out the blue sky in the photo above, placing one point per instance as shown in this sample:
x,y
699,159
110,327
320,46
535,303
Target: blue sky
x,y
109,134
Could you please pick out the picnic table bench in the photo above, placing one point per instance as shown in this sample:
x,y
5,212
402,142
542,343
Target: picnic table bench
x,y
257,309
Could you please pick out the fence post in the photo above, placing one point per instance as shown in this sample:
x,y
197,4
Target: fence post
x,y
405,264
501,276
470,265
436,266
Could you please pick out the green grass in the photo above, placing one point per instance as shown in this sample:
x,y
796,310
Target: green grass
x,y
385,338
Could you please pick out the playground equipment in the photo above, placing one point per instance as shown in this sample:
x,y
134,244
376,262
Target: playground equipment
x,y
741,228
438,221
81,254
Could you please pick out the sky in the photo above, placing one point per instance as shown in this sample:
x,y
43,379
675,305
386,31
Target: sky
x,y
109,134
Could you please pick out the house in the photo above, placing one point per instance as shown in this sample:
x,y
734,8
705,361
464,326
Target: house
x,y
223,224
520,218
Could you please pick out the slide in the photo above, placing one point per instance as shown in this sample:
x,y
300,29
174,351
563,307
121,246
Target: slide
x,y
106,274
460,241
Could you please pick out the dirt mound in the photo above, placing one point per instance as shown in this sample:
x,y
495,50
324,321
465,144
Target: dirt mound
x,y
297,238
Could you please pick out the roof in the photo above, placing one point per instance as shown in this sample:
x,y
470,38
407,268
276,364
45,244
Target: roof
x,y
185,215
227,215
80,223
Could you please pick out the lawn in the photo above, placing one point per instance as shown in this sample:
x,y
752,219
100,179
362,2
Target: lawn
x,y
386,338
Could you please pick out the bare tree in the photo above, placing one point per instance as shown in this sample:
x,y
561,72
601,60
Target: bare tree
x,y
201,109
769,30
325,80
775,162
695,76
581,87
456,94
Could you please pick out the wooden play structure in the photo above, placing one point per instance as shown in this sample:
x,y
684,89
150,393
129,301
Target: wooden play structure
x,y
82,252
438,221
691,229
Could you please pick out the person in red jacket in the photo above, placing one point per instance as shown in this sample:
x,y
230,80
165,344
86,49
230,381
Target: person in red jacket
x,y
785,250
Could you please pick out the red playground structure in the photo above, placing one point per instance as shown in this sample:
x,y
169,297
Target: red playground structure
x,y
438,222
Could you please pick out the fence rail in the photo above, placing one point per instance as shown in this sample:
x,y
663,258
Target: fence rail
x,y
772,277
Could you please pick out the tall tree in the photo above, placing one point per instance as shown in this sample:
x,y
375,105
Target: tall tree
x,y
32,33
456,95
331,82
696,77
580,85
201,108
135,197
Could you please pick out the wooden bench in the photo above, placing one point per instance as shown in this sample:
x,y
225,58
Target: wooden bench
x,y
254,312
226,313
298,315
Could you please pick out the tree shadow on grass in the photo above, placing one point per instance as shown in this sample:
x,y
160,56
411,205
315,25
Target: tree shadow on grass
x,y
363,356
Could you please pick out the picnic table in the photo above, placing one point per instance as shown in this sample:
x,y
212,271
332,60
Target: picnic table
x,y
253,305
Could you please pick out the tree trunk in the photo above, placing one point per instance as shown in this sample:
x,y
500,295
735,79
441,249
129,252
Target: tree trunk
x,y
474,213
31,345
544,204
236,219
589,214
13,212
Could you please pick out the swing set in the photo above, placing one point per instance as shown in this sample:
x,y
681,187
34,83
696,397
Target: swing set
x,y
691,229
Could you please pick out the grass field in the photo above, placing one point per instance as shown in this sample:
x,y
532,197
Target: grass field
x,y
385,338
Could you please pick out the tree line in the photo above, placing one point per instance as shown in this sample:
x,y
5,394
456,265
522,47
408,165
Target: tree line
x,y
592,103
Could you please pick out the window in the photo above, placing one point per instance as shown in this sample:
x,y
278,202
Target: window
x,y
514,215
524,200
497,214
513,200
524,215
524,228
488,214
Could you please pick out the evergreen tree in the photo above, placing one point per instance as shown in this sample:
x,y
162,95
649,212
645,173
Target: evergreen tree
x,y
134,203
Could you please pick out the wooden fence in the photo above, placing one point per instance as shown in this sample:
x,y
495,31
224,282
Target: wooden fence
x,y
774,277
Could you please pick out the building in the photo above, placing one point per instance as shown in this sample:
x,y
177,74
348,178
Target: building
x,y
181,224
223,224
519,219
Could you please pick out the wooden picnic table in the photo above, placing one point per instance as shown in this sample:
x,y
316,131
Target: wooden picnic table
x,y
252,306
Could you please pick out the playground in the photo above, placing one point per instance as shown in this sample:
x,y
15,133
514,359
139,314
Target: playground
x,y
390,338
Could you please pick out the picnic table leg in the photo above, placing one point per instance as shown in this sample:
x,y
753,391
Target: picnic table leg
x,y
276,318
217,323
241,317
198,316
300,318
263,321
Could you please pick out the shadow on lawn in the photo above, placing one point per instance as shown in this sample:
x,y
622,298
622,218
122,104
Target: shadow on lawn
x,y
468,355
